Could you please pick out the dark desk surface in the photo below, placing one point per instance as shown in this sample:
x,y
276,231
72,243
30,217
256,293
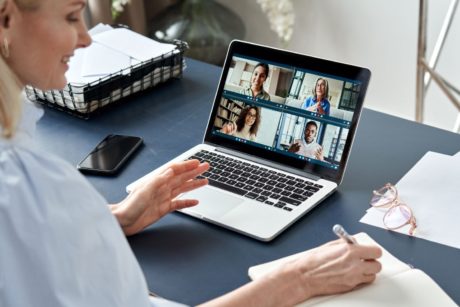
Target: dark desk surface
x,y
190,261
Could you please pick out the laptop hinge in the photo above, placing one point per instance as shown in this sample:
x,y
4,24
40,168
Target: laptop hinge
x,y
268,163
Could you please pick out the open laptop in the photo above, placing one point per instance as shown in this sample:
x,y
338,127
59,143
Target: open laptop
x,y
277,155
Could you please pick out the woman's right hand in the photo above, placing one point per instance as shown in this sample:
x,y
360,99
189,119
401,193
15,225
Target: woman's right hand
x,y
229,128
329,269
332,268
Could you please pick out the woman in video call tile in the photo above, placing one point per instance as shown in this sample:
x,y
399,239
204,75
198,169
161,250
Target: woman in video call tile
x,y
245,126
318,102
307,146
259,75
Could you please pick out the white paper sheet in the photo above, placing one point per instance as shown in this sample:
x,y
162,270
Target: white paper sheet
x,y
100,60
133,44
99,28
432,190
112,51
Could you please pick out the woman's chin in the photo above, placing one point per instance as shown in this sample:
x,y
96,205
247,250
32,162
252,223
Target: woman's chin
x,y
56,85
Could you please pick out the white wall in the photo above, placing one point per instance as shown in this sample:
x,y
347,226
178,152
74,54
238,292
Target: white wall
x,y
378,34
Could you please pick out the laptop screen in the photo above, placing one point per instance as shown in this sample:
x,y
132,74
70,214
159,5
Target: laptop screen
x,y
288,108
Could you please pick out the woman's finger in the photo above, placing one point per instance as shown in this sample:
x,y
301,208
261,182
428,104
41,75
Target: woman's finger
x,y
178,204
371,267
188,174
189,186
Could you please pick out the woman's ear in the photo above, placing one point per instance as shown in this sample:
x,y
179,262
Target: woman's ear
x,y
8,14
5,13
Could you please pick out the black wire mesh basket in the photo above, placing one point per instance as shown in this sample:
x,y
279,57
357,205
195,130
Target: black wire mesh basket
x,y
86,100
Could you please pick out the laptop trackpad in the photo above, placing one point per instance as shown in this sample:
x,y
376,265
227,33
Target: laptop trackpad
x,y
213,203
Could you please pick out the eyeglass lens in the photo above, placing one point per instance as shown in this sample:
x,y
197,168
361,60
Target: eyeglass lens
x,y
397,216
383,196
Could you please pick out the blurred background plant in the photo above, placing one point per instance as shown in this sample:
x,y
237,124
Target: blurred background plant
x,y
280,14
209,26
117,7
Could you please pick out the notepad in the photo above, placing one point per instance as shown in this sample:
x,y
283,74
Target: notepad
x,y
396,285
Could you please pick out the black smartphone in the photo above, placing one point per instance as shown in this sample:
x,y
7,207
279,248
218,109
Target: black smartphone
x,y
110,154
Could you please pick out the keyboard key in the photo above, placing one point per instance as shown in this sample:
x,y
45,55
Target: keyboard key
x,y
262,198
290,201
231,182
312,189
257,190
298,197
240,185
251,195
227,187
307,193
259,184
277,190
301,185
287,208
280,185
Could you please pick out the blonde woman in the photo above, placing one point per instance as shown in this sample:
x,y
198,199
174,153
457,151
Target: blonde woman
x,y
61,245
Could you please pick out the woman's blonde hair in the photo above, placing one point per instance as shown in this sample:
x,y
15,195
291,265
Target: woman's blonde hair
x,y
10,90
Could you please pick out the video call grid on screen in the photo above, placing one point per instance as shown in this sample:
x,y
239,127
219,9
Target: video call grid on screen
x,y
285,116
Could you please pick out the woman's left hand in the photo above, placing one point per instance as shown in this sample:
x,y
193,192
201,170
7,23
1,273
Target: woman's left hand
x,y
152,200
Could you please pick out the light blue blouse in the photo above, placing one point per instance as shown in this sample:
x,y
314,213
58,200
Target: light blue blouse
x,y
59,243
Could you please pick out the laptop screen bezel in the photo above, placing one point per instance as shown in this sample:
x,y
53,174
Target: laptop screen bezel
x,y
300,61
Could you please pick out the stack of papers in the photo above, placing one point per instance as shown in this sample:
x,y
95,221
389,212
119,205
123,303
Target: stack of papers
x,y
432,190
118,63
112,51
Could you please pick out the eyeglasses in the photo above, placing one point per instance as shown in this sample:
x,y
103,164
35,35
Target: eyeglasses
x,y
398,214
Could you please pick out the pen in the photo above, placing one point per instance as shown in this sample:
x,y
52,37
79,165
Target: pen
x,y
341,233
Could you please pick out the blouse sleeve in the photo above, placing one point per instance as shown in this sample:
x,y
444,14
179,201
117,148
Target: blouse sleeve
x,y
60,245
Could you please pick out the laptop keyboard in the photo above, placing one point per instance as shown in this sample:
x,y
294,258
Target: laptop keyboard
x,y
256,182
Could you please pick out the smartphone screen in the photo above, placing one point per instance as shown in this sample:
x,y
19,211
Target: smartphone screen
x,y
110,154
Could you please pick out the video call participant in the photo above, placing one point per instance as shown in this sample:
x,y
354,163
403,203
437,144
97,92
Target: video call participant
x,y
259,76
307,146
318,102
246,125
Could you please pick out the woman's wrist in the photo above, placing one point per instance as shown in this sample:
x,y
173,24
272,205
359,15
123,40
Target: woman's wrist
x,y
119,213
290,285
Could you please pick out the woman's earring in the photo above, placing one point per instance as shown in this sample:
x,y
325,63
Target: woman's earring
x,y
5,48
